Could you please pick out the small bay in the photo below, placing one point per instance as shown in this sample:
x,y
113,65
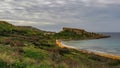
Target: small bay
x,y
105,45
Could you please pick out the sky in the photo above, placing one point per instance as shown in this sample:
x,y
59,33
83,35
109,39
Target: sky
x,y
52,15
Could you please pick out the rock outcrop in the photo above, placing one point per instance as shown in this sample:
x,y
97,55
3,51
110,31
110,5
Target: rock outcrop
x,y
77,34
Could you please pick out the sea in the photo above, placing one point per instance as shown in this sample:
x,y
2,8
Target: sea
x,y
109,45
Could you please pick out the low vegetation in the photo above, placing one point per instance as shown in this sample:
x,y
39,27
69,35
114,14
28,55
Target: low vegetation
x,y
23,47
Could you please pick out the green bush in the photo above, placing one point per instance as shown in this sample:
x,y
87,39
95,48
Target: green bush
x,y
35,53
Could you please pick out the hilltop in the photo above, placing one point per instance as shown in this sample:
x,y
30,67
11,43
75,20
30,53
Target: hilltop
x,y
28,47
77,34
5,27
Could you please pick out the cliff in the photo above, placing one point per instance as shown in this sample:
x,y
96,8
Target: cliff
x,y
77,31
77,34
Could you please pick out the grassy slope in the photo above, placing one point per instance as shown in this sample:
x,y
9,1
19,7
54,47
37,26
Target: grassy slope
x,y
26,48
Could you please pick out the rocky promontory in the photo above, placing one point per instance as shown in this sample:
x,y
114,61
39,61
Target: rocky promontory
x,y
77,34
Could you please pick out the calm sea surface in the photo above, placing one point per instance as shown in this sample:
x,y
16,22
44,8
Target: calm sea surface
x,y
106,45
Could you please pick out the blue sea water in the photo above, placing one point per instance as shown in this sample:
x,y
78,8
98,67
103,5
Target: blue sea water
x,y
105,45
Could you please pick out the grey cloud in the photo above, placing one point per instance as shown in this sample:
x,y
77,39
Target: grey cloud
x,y
92,15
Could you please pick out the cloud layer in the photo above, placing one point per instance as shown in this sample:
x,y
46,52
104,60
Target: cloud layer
x,y
93,15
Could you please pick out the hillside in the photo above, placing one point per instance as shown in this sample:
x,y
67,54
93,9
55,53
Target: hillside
x,y
23,47
77,34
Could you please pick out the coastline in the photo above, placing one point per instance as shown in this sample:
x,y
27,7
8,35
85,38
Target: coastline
x,y
110,56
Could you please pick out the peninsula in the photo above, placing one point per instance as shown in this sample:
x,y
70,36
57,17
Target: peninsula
x,y
77,34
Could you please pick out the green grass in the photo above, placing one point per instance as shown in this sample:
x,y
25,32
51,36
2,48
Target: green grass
x,y
35,53
6,26
29,48
32,57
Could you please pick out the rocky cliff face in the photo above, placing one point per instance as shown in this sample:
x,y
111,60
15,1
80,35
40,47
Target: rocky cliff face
x,y
77,31
77,34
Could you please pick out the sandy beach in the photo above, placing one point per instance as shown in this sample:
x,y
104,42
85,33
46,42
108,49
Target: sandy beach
x,y
115,57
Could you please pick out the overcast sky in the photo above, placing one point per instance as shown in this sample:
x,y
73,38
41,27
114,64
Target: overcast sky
x,y
92,15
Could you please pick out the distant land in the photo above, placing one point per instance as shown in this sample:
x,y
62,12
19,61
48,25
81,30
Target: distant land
x,y
77,34
29,47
